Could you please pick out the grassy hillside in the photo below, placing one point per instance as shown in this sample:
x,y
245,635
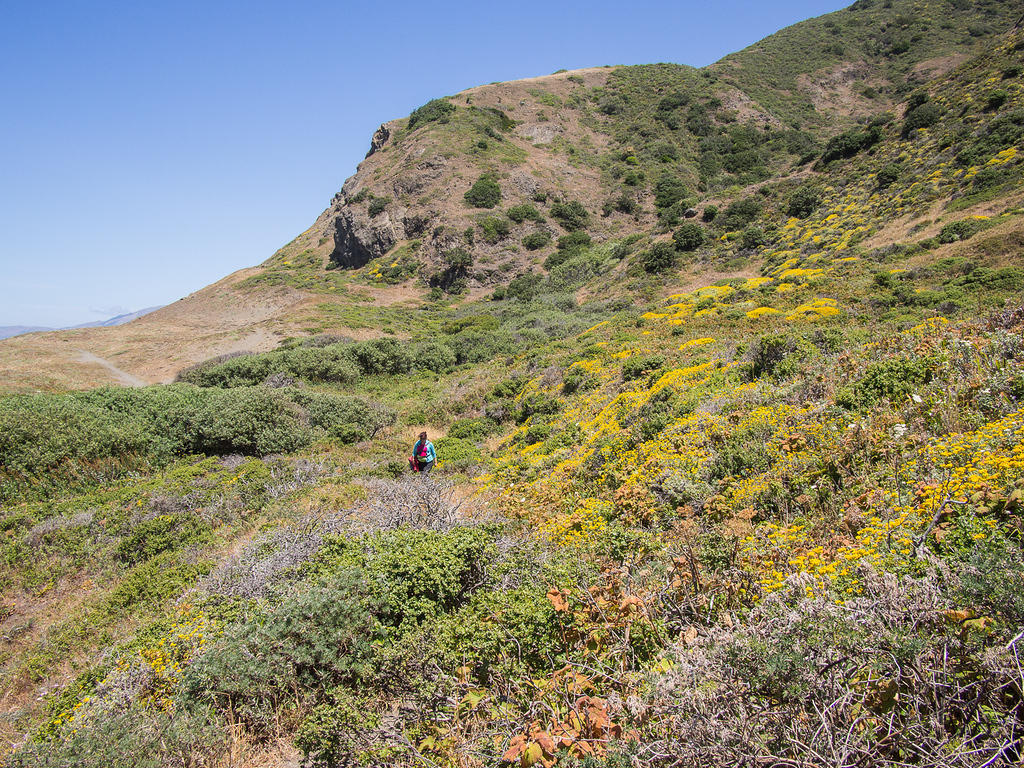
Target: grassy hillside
x,y
739,485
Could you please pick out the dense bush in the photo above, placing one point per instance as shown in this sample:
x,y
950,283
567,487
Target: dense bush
x,y
524,287
473,428
457,453
469,637
536,240
432,356
668,191
849,143
495,228
923,115
768,352
413,574
753,237
57,441
636,367
893,379
739,214
688,237
803,202
377,206
434,110
888,174
137,737
316,639
520,213
959,230
485,192
474,345
161,534
570,214
1000,133
660,257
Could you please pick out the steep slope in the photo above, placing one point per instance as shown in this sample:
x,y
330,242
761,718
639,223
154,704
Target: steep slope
x,y
735,488
634,147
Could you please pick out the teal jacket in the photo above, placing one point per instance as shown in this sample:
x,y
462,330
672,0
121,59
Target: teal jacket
x,y
431,455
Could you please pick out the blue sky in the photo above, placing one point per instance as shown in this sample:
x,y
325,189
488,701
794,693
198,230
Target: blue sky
x,y
150,148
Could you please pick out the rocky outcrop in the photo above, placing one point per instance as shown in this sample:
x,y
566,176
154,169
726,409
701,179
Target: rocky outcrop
x,y
359,239
380,138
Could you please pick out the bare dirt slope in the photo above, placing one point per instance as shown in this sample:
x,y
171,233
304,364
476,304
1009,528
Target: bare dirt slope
x,y
213,321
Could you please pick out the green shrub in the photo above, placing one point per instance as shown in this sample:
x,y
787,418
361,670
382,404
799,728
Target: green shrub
x,y
710,212
573,241
413,575
482,322
252,421
472,429
333,732
768,352
578,381
635,367
753,237
348,418
473,637
570,214
574,272
149,585
524,287
378,205
162,533
432,356
73,440
660,257
458,259
922,116
136,737
439,110
536,240
485,192
958,230
457,453
520,213
668,191
740,213
849,143
381,356
508,388
321,637
888,174
474,345
689,237
536,404
803,202
495,228
893,379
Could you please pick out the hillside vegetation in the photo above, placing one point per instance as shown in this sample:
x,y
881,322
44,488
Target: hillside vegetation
x,y
727,391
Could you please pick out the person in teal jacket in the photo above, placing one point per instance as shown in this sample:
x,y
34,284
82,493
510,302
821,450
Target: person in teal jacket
x,y
423,455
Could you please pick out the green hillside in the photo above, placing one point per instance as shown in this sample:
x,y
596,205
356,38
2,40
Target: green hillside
x,y
733,477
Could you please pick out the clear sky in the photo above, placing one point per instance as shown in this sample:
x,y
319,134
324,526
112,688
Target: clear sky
x,y
149,148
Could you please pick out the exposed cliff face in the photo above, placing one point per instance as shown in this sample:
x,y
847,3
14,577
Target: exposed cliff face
x,y
409,189
358,239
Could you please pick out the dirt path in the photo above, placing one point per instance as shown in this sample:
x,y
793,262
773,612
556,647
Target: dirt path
x,y
123,378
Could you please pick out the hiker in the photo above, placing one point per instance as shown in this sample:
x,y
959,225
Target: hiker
x,y
423,455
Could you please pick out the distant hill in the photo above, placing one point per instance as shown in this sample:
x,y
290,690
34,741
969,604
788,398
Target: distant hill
x,y
7,331
116,320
